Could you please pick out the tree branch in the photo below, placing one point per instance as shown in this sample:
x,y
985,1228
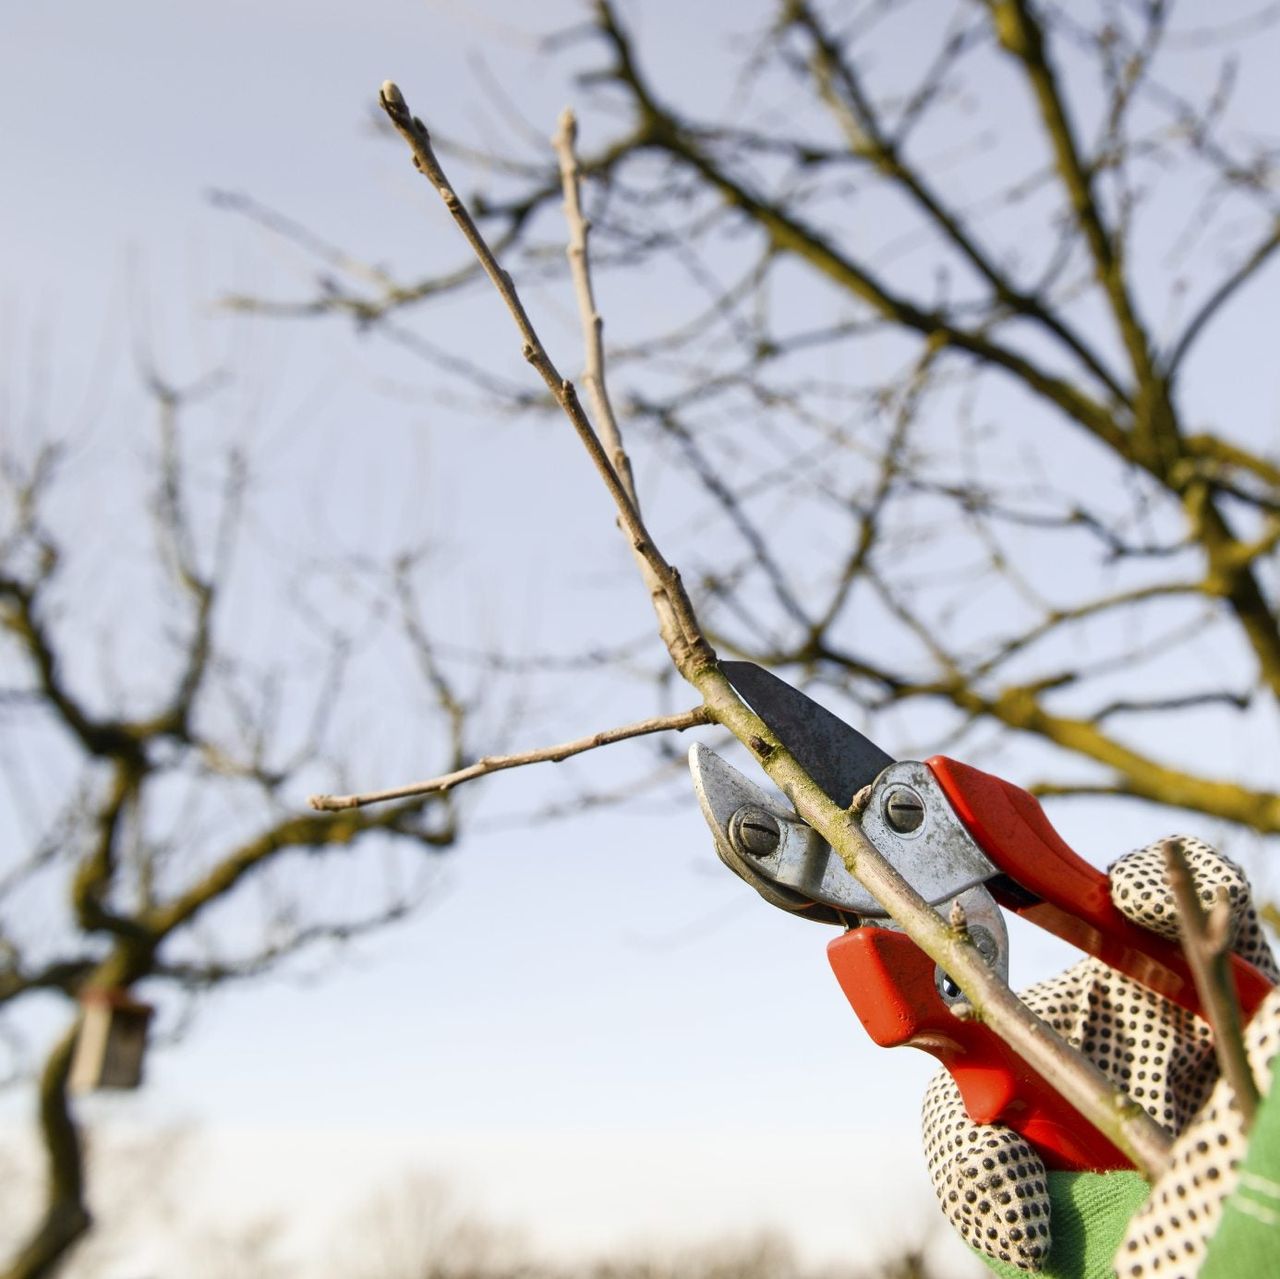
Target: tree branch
x,y
840,87
1079,1081
415,134
1220,296
669,624
498,763
565,141
66,1218
1207,943
1020,32
22,618
788,234
304,831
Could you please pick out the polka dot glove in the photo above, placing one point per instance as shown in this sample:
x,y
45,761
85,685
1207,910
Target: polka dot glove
x,y
1169,1236
992,1185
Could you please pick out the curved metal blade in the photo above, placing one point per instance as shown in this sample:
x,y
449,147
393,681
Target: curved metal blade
x,y
801,874
838,757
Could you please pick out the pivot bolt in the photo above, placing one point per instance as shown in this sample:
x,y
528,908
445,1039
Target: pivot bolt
x,y
753,831
903,809
946,985
985,943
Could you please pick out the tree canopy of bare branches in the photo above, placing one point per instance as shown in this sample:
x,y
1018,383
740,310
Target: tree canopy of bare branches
x,y
156,764
933,507
931,314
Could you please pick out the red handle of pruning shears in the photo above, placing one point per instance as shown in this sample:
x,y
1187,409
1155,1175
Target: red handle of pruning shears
x,y
1066,896
891,982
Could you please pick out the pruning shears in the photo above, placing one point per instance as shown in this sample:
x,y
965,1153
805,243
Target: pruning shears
x,y
957,835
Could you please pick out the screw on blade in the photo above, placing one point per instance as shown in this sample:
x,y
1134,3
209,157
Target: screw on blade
x,y
903,809
838,757
753,831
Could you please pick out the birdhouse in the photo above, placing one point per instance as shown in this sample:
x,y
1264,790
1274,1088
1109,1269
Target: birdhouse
x,y
111,1042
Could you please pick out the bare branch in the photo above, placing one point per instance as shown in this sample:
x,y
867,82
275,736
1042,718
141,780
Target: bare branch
x,y
415,134
66,1215
20,614
173,520
1021,32
840,86
497,763
1080,1081
1220,296
593,323
1207,943
789,234
65,975
302,832
194,975
1149,705
1078,790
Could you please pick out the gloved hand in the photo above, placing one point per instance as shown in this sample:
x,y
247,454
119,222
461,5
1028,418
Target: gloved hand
x,y
993,1187
1187,1229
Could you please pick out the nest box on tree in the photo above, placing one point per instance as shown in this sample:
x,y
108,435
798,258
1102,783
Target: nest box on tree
x,y
111,1043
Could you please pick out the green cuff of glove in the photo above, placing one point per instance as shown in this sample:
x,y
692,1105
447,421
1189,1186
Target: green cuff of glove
x,y
1089,1212
1246,1244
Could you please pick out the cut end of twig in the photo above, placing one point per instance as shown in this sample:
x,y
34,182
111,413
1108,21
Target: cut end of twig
x,y
333,803
1218,924
568,126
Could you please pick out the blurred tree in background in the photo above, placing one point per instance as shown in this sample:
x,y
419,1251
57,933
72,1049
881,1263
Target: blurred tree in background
x,y
158,744
420,1231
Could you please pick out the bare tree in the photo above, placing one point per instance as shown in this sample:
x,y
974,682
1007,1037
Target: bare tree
x,y
419,1231
157,762
984,371
950,297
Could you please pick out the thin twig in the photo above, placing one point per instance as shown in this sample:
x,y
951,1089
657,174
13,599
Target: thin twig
x,y
1079,1080
497,763
1206,942
606,420
416,135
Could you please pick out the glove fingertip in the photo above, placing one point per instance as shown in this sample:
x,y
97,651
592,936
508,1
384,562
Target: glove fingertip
x,y
1140,887
991,1185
